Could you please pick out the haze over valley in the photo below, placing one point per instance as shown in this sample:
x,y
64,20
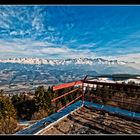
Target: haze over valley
x,y
28,73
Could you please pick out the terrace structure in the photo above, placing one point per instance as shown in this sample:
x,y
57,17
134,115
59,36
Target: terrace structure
x,y
99,108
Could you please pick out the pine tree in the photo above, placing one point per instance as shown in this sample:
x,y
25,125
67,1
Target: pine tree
x,y
8,121
47,101
43,99
39,97
7,108
8,125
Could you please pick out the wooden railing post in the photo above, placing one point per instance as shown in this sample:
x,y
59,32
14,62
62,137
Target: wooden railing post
x,y
82,94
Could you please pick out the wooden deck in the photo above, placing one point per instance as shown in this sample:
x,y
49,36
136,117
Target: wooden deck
x,y
87,120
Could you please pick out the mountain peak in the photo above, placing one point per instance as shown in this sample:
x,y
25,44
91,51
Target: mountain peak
x,y
88,61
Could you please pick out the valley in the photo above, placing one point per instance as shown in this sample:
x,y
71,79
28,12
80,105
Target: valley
x,y
25,74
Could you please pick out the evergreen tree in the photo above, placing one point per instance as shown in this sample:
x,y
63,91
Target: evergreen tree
x,y
7,108
24,105
39,97
47,101
43,99
8,121
8,125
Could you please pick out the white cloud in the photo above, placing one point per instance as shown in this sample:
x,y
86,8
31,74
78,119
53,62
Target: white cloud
x,y
69,26
67,53
30,48
130,57
41,49
72,41
54,50
51,28
90,45
134,57
37,24
13,33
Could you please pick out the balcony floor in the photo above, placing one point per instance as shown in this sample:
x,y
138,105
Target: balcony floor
x,y
87,120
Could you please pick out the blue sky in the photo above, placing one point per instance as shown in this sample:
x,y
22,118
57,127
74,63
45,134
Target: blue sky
x,y
57,32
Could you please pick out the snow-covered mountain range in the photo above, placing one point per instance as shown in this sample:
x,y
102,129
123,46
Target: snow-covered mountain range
x,y
62,61
28,72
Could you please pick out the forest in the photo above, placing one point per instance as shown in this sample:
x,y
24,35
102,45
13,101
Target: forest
x,y
30,107
35,106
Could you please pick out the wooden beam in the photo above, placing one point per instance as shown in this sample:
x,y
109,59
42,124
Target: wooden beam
x,y
66,85
53,100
